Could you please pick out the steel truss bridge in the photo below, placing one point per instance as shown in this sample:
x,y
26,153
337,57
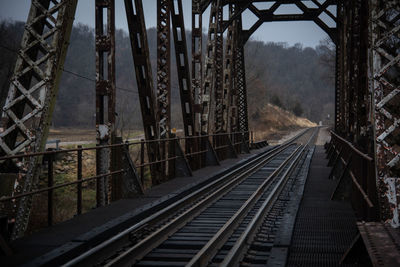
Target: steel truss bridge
x,y
212,83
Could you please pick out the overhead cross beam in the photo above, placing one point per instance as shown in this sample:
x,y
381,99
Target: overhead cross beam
x,y
268,14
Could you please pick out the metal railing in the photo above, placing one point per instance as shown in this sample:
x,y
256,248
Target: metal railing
x,y
355,172
129,160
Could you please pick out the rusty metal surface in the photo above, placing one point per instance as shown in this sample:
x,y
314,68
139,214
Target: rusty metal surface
x,y
32,94
384,59
105,94
243,120
163,79
230,97
356,179
382,243
339,68
210,81
163,68
197,61
219,123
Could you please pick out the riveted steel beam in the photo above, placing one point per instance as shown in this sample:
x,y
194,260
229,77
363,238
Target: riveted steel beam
x,y
144,78
384,70
182,63
163,77
338,67
197,60
230,96
219,123
105,94
243,120
163,67
267,15
210,82
32,94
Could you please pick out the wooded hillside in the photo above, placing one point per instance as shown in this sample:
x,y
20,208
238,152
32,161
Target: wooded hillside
x,y
294,78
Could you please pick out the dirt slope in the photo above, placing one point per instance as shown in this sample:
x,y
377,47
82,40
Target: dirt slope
x,y
272,122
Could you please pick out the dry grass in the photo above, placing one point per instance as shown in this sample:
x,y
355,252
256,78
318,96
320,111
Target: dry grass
x,y
273,123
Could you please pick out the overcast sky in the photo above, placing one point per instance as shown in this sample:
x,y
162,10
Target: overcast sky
x,y
306,33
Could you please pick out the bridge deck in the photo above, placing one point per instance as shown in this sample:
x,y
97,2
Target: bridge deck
x,y
315,231
324,229
108,220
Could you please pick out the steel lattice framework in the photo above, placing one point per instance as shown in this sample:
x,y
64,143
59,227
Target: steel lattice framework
x,y
384,72
213,92
32,94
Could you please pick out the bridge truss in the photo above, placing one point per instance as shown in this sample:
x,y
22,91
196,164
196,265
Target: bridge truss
x,y
213,91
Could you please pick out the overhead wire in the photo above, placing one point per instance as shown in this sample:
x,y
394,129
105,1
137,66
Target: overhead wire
x,y
77,74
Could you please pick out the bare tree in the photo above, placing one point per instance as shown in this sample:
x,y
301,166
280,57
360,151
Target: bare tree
x,y
327,56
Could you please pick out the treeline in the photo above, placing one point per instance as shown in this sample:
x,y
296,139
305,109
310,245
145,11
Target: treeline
x,y
292,77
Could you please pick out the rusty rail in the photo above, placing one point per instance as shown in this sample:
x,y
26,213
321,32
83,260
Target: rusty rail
x,y
355,172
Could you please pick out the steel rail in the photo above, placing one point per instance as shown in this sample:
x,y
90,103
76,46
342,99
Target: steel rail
x,y
142,248
209,250
123,237
243,241
101,249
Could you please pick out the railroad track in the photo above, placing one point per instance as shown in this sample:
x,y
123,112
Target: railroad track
x,y
215,225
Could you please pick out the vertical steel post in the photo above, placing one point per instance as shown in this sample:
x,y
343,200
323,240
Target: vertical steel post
x,y
105,92
351,56
182,64
210,79
363,135
338,67
50,183
163,67
197,61
142,161
183,69
219,123
243,121
345,56
342,20
163,76
79,178
144,78
230,96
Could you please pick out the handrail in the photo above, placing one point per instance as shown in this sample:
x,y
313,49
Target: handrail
x,y
346,159
365,156
115,145
192,155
